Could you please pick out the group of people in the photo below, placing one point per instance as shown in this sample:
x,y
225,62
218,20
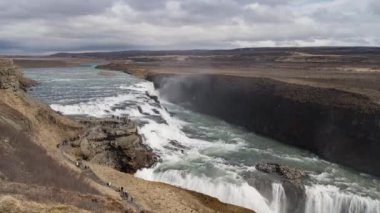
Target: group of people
x,y
80,164
123,192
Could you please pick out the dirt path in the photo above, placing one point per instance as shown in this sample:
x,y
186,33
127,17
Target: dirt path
x,y
161,197
151,196
87,172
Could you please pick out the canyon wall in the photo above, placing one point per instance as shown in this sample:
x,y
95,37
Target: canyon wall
x,y
339,126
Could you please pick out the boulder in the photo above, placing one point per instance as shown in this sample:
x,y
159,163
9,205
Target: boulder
x,y
128,142
287,173
290,179
142,111
137,159
153,97
156,111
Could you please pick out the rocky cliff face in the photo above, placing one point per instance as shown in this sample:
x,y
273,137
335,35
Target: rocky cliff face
x,y
33,176
11,77
29,170
112,142
339,126
98,137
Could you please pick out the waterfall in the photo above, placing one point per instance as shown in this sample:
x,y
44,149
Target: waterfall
x,y
239,194
329,199
278,204
213,162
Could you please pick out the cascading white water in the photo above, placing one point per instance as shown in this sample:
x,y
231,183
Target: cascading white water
x,y
240,194
215,155
278,204
329,199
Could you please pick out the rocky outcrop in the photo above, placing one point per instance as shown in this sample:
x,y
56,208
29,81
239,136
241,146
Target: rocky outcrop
x,y
290,179
12,78
292,175
113,142
339,126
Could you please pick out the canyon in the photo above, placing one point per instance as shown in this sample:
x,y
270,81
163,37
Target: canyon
x,y
39,171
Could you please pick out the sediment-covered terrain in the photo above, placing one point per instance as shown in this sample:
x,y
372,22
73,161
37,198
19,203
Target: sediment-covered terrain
x,y
52,163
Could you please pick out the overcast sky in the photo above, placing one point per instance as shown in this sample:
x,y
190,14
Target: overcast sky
x,y
45,26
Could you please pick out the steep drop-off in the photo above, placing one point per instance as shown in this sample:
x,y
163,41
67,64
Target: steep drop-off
x,y
39,148
32,178
339,126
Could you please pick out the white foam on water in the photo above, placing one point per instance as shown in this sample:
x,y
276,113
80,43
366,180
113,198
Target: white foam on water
x,y
318,199
330,199
278,204
143,87
96,108
227,187
240,194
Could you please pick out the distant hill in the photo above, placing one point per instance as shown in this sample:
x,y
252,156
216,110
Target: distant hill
x,y
242,51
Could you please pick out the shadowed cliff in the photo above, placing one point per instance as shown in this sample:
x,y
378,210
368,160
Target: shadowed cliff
x,y
339,126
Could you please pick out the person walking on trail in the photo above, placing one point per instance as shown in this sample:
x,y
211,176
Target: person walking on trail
x,y
125,194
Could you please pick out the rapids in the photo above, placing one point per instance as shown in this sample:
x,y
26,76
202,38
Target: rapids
x,y
204,154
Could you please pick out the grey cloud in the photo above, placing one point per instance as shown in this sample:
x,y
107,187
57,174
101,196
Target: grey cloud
x,y
211,9
374,7
268,14
75,25
50,8
327,15
147,6
6,44
267,2
185,12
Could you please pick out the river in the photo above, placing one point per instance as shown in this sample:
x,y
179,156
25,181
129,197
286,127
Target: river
x,y
205,154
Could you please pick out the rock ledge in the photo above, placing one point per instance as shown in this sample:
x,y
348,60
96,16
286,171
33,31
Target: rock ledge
x,y
112,142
